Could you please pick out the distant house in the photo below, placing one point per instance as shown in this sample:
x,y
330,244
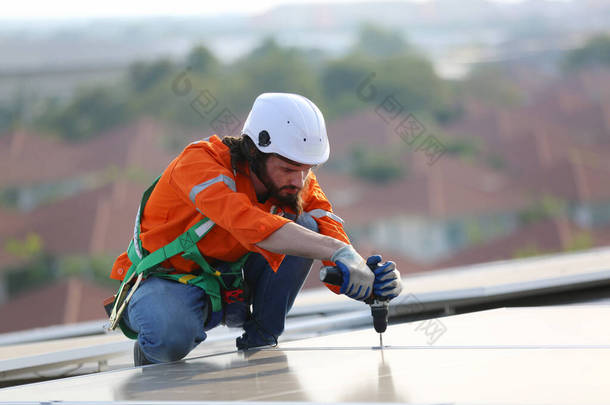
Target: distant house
x,y
93,221
538,238
36,168
558,144
78,198
555,145
432,213
65,302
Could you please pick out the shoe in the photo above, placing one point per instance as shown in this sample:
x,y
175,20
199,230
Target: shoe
x,y
245,342
242,343
138,356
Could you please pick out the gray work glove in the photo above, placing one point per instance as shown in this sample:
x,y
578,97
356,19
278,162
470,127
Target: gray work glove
x,y
357,276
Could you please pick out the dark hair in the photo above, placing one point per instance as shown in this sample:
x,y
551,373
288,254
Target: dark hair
x,y
242,149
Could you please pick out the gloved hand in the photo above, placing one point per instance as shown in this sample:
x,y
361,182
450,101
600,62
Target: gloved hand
x,y
388,282
357,276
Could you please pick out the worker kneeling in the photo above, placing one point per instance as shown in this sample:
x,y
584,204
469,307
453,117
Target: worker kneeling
x,y
228,233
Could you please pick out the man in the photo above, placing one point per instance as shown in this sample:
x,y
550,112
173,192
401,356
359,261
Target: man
x,y
233,222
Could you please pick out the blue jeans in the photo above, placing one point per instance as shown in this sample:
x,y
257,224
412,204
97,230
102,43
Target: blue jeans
x,y
169,316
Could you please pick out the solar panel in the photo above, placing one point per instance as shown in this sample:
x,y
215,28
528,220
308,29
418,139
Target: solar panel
x,y
520,355
492,340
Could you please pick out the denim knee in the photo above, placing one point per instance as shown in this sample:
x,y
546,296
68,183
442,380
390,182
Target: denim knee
x,y
171,342
168,317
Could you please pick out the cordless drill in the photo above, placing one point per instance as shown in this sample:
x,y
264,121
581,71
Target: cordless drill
x,y
379,305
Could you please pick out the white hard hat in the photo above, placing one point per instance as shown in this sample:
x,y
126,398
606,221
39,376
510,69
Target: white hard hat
x,y
289,125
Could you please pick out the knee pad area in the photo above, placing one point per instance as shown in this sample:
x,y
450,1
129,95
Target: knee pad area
x,y
170,342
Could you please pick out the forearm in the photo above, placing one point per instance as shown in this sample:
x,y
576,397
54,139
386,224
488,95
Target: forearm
x,y
293,239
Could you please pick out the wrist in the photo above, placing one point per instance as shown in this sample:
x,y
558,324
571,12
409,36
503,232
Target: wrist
x,y
337,249
341,251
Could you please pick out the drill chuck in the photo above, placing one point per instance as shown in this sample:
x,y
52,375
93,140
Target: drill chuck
x,y
379,312
379,307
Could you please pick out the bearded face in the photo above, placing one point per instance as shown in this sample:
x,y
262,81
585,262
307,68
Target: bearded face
x,y
284,181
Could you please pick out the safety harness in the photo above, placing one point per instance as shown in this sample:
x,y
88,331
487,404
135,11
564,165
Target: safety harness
x,y
146,264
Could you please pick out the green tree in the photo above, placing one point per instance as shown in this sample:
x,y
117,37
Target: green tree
x,y
378,43
91,111
9,196
582,240
378,165
468,148
474,233
268,68
12,113
92,267
530,250
542,209
44,268
143,76
202,61
411,79
407,78
200,71
595,52
339,82
490,84
37,271
31,246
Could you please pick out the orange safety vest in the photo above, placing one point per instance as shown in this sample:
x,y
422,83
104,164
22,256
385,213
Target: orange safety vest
x,y
200,183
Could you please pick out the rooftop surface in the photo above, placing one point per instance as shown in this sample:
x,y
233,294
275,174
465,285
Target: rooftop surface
x,y
517,355
553,353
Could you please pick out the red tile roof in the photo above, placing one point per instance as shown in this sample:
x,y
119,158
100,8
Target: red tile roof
x,y
96,221
545,237
574,179
363,127
27,159
449,188
65,302
114,218
558,142
577,106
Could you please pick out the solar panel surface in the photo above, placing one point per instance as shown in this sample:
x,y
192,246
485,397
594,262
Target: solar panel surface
x,y
558,355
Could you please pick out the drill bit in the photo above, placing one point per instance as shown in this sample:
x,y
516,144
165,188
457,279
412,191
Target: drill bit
x,y
381,340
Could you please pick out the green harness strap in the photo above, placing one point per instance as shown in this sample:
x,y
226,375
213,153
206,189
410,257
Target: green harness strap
x,y
145,264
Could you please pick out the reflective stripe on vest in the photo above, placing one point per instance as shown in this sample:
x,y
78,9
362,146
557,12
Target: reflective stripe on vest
x,y
200,187
319,213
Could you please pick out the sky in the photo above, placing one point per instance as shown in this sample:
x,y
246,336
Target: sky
x,y
69,9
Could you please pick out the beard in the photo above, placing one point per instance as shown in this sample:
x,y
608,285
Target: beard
x,y
290,200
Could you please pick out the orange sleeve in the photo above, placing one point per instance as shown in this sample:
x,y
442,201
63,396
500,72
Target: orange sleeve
x,y
329,224
201,177
120,267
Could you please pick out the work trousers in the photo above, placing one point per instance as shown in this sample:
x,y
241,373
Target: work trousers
x,y
169,316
